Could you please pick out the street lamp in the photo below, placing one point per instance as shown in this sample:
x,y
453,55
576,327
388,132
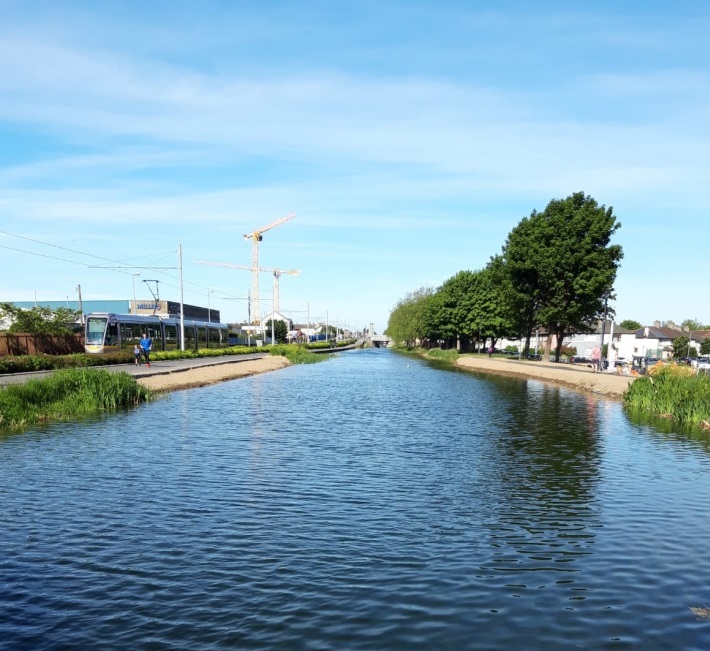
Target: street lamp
x,y
135,306
209,311
606,295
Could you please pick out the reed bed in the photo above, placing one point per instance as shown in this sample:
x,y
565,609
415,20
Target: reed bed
x,y
672,392
297,354
67,394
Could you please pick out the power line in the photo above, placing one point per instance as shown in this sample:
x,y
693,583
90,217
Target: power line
x,y
90,255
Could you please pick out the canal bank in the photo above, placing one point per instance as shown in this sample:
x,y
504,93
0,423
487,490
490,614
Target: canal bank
x,y
573,376
189,377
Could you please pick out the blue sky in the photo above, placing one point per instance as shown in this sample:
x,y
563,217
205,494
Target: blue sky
x,y
408,138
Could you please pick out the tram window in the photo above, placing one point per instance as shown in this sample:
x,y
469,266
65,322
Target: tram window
x,y
112,334
95,331
202,337
216,338
170,337
190,338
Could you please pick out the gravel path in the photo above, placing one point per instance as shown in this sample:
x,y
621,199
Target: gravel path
x,y
205,375
570,375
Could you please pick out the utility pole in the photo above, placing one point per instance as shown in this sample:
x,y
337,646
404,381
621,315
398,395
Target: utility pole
x,y
182,311
273,292
81,305
601,351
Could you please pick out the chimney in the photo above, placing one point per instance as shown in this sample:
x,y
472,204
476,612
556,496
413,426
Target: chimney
x,y
645,330
656,324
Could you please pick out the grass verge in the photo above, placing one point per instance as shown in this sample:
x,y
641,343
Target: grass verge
x,y
68,394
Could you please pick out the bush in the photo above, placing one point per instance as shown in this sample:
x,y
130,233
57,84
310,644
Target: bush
x,y
444,355
672,391
297,354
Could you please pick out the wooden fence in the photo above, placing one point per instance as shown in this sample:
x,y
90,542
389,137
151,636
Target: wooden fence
x,y
25,344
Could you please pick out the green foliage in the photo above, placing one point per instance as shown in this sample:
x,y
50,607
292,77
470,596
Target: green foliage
x,y
561,262
630,324
705,346
681,346
297,354
684,397
201,353
444,355
280,330
40,320
554,271
406,324
691,324
66,394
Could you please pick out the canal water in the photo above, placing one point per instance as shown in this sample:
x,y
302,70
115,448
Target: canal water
x,y
372,501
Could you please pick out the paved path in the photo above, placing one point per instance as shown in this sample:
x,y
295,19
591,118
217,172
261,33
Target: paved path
x,y
161,367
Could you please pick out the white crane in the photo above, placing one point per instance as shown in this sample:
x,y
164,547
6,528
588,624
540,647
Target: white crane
x,y
256,236
277,274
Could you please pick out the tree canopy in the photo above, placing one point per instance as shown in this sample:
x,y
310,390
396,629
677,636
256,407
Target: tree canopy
x,y
40,320
554,272
561,265
630,324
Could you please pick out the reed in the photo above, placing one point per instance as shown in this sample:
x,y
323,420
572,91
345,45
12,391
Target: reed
x,y
297,354
672,393
67,394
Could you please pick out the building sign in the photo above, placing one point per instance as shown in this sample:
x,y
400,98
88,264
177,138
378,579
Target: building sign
x,y
171,308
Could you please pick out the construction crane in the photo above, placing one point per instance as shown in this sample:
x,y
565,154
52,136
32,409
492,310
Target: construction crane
x,y
277,274
256,236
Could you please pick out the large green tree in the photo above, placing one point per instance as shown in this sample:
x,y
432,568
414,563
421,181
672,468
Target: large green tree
x,y
561,263
40,320
407,321
522,264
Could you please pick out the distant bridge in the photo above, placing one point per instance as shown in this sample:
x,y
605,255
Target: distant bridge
x,y
380,341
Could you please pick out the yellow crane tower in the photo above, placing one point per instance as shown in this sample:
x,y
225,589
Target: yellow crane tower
x,y
277,274
256,236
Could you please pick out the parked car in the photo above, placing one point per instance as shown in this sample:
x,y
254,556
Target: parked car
x,y
703,364
581,360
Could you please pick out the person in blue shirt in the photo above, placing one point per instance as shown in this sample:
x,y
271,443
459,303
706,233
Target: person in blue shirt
x,y
146,344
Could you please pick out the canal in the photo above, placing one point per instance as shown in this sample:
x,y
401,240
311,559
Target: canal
x,y
372,501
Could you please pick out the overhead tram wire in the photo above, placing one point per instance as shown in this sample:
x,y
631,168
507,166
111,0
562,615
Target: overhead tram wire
x,y
122,269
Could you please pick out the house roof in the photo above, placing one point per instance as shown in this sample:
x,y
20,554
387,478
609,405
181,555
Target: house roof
x,y
699,335
652,332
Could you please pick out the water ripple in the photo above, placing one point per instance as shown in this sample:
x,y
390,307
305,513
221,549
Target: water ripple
x,y
372,502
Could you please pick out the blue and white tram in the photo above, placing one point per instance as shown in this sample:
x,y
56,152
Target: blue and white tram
x,y
108,333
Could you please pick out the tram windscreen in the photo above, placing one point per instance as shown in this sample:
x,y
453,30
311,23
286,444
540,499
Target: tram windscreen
x,y
95,328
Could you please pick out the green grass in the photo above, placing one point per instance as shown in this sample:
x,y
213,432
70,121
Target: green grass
x,y
685,398
297,354
450,355
68,394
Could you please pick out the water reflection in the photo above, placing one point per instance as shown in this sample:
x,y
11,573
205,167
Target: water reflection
x,y
546,515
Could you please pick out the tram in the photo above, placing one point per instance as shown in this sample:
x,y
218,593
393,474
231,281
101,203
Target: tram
x,y
109,333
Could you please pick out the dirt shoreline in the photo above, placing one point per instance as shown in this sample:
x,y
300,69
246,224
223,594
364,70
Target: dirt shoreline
x,y
576,377
205,375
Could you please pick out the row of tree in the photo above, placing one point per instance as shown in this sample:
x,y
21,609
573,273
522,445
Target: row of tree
x,y
555,272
